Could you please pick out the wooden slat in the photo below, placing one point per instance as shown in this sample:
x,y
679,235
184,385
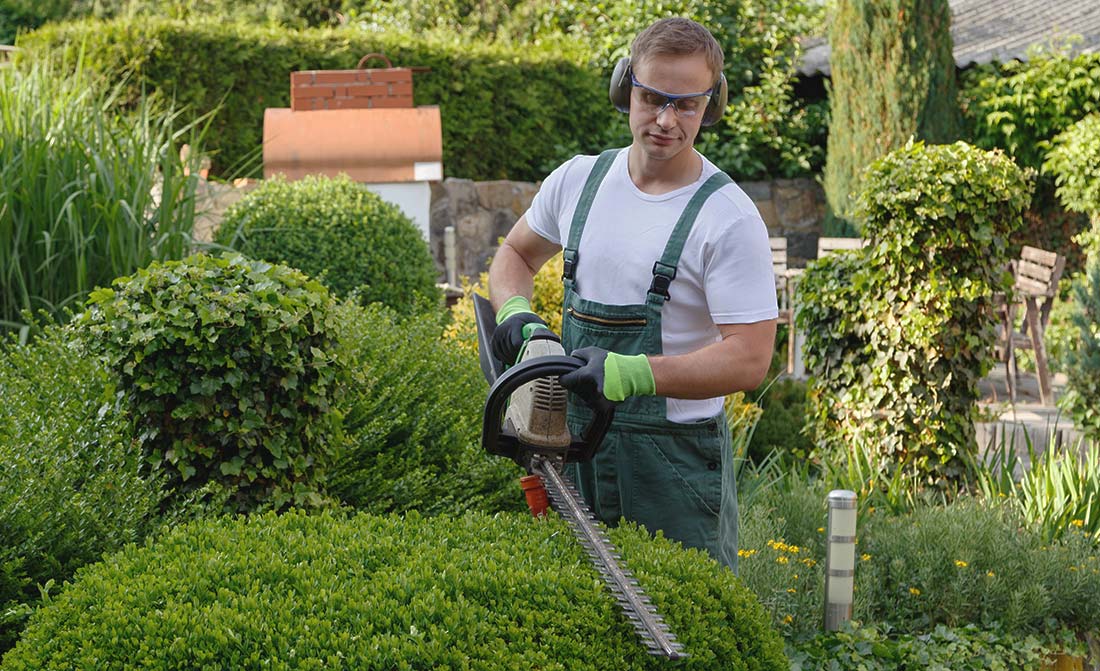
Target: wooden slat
x,y
1030,287
1035,271
779,256
1040,256
826,246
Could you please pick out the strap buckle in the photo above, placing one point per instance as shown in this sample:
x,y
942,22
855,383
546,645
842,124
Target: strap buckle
x,y
569,264
663,274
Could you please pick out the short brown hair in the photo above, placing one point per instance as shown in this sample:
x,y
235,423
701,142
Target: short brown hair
x,y
677,36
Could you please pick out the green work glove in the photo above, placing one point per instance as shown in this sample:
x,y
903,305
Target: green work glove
x,y
515,323
608,377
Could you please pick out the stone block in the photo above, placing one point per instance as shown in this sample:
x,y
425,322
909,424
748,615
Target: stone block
x,y
502,194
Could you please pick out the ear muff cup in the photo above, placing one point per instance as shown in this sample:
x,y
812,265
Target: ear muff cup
x,y
621,86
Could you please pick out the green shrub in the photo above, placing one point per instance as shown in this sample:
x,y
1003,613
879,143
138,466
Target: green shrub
x,y
338,232
782,554
304,592
893,79
971,563
898,334
412,406
967,648
1020,106
223,364
85,195
1082,396
780,428
70,483
1074,161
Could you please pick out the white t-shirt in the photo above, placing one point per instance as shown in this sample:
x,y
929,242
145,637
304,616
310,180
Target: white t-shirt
x,y
724,275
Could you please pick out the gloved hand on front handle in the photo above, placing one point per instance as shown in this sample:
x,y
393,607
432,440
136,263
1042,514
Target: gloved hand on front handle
x,y
608,377
515,323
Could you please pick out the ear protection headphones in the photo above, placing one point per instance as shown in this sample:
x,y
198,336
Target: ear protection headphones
x,y
621,86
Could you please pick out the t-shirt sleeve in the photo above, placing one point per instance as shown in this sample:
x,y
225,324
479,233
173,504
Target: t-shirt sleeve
x,y
545,216
738,278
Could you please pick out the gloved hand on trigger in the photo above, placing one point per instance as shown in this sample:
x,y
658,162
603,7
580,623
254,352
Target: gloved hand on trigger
x,y
609,378
510,334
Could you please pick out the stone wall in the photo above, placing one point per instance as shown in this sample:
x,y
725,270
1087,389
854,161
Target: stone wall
x,y
484,212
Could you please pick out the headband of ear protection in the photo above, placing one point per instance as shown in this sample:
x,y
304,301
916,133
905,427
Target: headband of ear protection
x,y
621,87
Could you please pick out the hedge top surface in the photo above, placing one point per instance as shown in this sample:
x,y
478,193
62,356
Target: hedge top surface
x,y
303,591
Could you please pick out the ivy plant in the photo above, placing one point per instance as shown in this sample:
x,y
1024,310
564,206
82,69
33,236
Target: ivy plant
x,y
222,363
899,333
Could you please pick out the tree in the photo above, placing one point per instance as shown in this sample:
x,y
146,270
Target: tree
x,y
893,78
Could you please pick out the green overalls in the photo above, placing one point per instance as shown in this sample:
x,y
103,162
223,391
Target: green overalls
x,y
665,475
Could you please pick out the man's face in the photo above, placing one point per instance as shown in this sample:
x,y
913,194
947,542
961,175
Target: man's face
x,y
665,134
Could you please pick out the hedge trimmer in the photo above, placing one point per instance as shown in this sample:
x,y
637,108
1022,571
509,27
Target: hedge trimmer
x,y
524,420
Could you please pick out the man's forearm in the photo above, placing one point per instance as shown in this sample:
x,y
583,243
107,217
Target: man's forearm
x,y
739,362
509,275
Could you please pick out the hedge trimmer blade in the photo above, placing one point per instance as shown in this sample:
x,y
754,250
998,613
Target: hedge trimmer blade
x,y
648,623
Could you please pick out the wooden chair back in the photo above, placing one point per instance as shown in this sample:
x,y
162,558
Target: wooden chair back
x,y
784,281
827,246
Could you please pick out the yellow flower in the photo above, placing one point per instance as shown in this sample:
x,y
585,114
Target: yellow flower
x,y
821,530
808,562
865,557
791,590
1078,523
788,619
914,591
960,563
793,549
781,560
745,554
990,574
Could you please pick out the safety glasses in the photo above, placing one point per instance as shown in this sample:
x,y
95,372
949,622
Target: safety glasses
x,y
685,104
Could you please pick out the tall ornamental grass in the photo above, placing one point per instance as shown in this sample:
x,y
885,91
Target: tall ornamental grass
x,y
86,195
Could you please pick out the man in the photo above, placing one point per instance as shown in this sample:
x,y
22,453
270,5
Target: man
x,y
669,295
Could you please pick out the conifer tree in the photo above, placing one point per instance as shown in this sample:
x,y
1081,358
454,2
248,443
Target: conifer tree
x,y
893,77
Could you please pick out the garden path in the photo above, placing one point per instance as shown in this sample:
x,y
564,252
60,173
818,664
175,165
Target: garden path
x,y
1027,418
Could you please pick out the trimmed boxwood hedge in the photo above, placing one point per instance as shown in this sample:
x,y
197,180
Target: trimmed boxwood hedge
x,y
338,232
71,487
309,592
514,105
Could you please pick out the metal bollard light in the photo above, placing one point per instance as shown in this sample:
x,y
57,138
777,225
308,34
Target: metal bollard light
x,y
840,558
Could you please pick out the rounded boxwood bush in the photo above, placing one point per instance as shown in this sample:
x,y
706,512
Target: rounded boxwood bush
x,y
302,591
337,231
222,362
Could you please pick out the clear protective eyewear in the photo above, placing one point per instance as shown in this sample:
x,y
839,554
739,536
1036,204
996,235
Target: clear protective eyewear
x,y
685,104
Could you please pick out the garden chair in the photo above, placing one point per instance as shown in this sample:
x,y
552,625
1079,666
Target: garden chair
x,y
783,286
1036,275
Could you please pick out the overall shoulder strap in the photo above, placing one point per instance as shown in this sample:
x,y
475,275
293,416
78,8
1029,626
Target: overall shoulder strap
x,y
664,270
580,215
